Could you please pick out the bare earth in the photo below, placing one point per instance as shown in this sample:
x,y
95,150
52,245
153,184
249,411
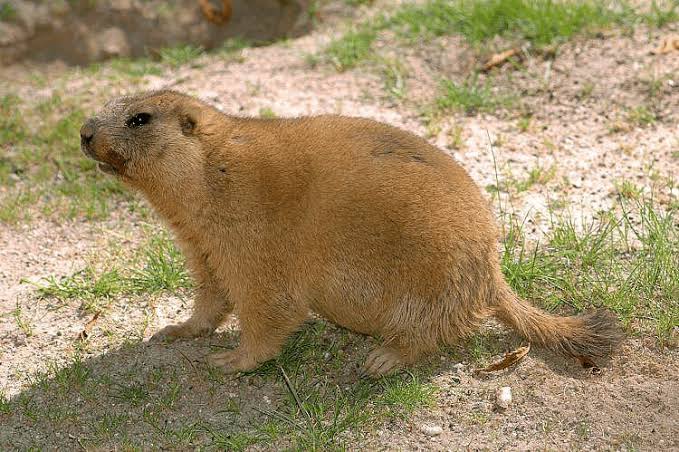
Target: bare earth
x,y
633,404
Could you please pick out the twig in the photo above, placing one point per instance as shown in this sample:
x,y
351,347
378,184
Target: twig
x,y
188,360
292,390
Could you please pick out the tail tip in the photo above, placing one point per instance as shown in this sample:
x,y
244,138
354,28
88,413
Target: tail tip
x,y
603,334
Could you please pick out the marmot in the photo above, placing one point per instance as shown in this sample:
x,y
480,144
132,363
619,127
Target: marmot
x,y
365,224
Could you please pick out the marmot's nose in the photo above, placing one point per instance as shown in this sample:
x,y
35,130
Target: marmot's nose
x,y
87,132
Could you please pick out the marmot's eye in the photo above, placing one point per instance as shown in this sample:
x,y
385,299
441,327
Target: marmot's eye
x,y
138,120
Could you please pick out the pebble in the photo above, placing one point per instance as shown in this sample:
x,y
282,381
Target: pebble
x,y
503,397
431,430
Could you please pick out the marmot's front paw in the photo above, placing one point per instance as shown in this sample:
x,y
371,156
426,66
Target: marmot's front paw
x,y
186,329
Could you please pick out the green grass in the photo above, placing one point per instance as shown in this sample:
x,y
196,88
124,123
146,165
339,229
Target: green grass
x,y
7,12
159,61
641,116
179,56
470,97
5,406
317,413
12,127
353,47
630,267
137,67
162,269
358,2
21,322
659,16
394,75
313,402
44,165
267,113
539,22
234,45
538,175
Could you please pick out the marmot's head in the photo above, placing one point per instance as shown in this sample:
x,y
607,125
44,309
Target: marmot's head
x,y
143,137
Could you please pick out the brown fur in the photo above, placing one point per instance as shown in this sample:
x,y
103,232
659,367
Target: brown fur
x,y
365,224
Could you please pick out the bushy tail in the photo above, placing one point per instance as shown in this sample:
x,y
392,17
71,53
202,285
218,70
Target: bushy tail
x,y
593,334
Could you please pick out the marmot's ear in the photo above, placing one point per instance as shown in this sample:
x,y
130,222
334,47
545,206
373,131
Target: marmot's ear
x,y
188,123
189,116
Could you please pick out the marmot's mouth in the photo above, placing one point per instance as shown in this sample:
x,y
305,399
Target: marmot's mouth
x,y
106,168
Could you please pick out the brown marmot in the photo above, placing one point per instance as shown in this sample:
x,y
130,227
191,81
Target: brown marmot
x,y
365,224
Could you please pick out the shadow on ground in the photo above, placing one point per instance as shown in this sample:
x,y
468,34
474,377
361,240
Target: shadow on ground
x,y
153,395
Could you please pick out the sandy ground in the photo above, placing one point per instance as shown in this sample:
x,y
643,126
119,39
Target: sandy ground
x,y
632,405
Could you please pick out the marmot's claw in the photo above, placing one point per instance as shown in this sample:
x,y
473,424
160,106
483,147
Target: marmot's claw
x,y
167,334
182,330
231,361
382,361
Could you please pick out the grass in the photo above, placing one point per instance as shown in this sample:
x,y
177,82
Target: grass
x,y
353,47
44,164
310,404
7,12
626,260
538,175
161,60
394,74
641,116
267,113
178,56
539,22
5,406
162,269
470,97
22,323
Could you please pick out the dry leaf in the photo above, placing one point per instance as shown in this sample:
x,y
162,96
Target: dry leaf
x,y
499,59
668,44
509,359
88,327
213,15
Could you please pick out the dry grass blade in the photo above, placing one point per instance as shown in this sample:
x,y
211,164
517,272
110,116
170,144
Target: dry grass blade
x,y
292,390
508,360
88,327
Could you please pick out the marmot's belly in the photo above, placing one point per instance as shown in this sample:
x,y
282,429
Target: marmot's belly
x,y
354,303
346,315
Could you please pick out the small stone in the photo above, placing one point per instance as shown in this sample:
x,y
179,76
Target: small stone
x,y
503,398
431,430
